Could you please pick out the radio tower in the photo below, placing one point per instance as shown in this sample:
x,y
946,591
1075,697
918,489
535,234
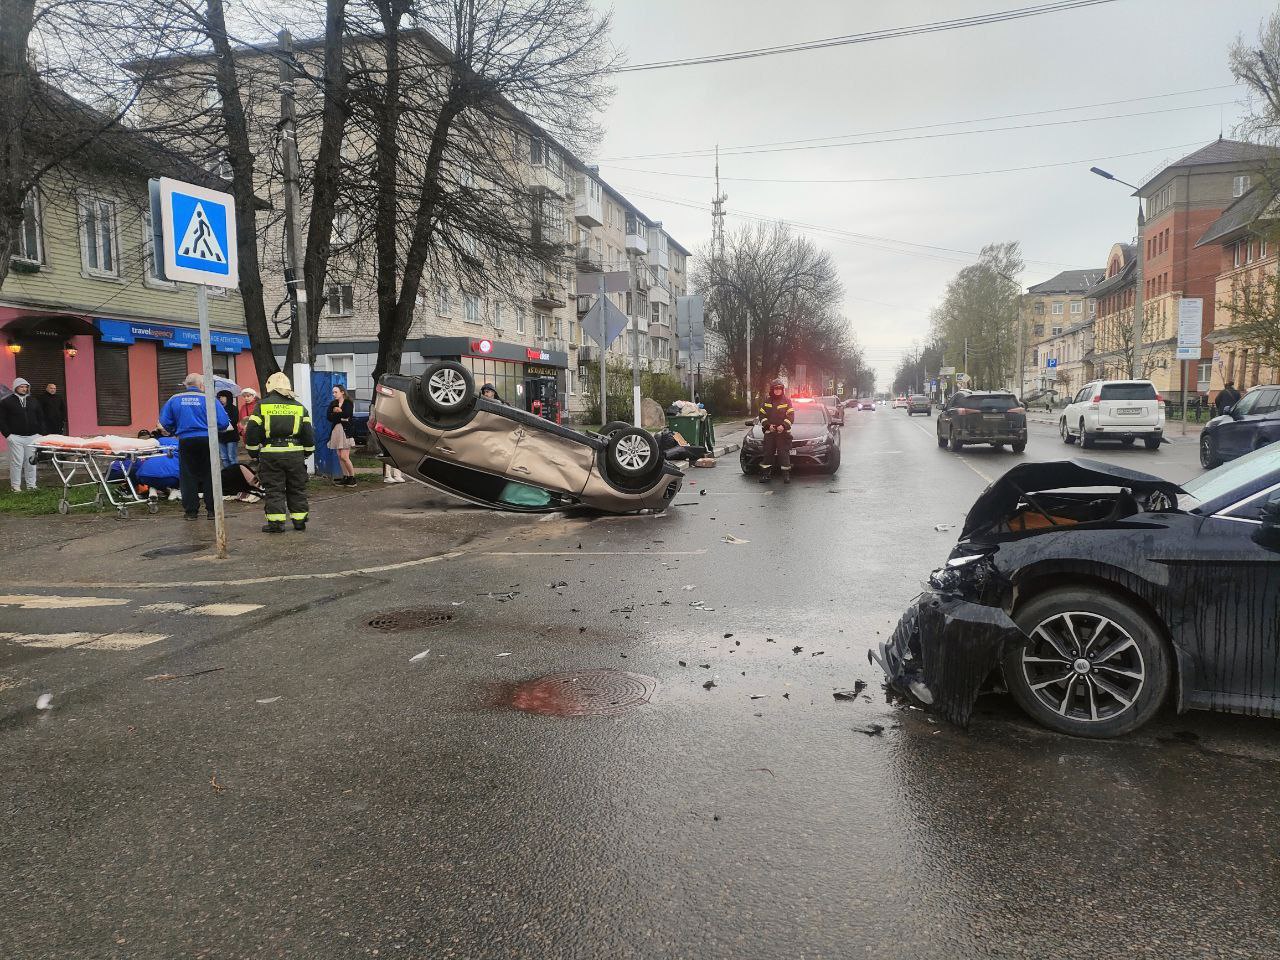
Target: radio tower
x,y
717,218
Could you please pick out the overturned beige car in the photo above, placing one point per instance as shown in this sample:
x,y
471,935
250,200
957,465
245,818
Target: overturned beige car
x,y
436,429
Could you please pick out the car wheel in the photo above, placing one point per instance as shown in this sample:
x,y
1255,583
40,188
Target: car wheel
x,y
1151,443
1086,439
1019,448
749,467
1067,438
633,453
956,444
447,388
612,427
833,461
1209,458
1094,665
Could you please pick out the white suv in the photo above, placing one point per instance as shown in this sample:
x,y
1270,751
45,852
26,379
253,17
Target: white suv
x,y
1121,410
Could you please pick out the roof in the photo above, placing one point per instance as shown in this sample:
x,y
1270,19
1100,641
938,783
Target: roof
x,y
1242,213
1069,281
1116,281
1220,151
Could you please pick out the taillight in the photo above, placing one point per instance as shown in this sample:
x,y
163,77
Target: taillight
x,y
964,410
1097,399
388,432
386,391
1017,410
1160,399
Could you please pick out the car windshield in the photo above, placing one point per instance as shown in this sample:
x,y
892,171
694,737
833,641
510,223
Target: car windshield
x,y
992,404
1235,475
1128,391
919,398
810,414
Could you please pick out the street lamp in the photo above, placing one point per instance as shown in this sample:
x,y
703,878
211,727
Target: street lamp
x,y
1139,253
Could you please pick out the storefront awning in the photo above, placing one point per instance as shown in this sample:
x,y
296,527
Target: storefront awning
x,y
177,338
59,325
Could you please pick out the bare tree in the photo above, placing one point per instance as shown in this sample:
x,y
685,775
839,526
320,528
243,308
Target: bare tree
x,y
1113,343
978,317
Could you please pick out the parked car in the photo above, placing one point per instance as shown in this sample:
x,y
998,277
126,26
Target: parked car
x,y
835,409
899,403
436,429
1096,594
1123,410
1252,423
360,419
815,441
919,403
994,417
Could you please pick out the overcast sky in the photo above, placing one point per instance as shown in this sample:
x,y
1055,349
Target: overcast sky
x,y
1063,216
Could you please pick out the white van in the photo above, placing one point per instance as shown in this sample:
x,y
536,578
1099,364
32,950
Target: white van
x,y
1123,410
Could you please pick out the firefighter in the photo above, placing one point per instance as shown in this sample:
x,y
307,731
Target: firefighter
x,y
280,437
776,416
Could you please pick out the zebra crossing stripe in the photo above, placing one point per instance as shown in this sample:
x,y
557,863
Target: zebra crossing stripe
x,y
205,610
84,641
33,601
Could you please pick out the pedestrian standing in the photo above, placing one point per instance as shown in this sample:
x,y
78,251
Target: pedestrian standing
x,y
776,417
53,408
341,410
248,406
229,439
1227,398
22,424
280,435
184,416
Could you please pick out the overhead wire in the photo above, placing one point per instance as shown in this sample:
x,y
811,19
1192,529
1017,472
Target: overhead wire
x,y
870,36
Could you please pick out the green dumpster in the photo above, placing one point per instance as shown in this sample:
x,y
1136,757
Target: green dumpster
x,y
697,431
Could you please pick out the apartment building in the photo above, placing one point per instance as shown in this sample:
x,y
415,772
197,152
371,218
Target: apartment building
x,y
1243,240
1111,303
1182,201
83,306
1049,309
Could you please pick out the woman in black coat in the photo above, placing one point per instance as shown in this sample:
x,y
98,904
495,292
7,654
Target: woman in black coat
x,y
229,439
341,410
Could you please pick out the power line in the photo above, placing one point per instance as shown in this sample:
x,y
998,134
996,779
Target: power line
x,y
707,151
888,33
935,176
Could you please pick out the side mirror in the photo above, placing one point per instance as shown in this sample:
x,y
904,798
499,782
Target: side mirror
x,y
1268,535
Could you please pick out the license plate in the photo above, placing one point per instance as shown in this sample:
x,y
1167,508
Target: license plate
x,y
993,416
1129,412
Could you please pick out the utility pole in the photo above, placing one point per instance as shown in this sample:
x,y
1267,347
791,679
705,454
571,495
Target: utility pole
x,y
1135,368
633,294
301,374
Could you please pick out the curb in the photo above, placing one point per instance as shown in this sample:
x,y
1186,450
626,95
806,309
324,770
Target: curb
x,y
726,450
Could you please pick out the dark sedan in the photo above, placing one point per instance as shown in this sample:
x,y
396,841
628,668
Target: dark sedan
x,y
1096,594
815,441
993,417
1252,423
919,403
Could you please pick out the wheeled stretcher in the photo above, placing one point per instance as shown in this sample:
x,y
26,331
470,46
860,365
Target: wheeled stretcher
x,y
105,463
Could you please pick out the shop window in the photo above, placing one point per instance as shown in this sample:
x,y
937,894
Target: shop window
x,y
111,379
340,299
30,246
222,365
98,237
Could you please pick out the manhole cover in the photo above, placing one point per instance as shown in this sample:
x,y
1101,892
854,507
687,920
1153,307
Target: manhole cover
x,y
176,550
585,693
393,621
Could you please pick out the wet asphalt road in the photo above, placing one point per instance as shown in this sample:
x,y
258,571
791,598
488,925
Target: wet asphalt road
x,y
317,794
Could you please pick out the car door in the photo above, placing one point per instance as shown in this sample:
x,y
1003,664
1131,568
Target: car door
x,y
545,459
945,415
485,442
1072,412
1230,590
1234,437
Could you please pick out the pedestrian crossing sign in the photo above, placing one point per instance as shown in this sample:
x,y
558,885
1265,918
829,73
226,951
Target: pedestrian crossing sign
x,y
195,229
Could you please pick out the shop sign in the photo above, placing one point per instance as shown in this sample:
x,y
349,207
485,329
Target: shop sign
x,y
538,370
179,338
532,354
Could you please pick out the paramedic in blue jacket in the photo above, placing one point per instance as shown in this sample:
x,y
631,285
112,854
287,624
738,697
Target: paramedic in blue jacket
x,y
184,416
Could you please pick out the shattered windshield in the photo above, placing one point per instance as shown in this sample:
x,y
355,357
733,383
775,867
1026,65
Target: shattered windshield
x,y
1238,474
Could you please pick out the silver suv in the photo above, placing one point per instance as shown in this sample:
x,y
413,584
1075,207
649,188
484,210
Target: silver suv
x,y
1123,410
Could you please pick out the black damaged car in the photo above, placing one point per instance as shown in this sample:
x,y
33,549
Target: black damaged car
x,y
1096,594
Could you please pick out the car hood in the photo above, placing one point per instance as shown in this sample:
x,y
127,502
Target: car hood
x,y
799,431
999,500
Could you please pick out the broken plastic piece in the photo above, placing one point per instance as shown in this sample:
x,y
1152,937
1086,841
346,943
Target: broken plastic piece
x,y
44,701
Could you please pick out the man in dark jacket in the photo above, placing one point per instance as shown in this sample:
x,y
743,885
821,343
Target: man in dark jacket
x,y
184,416
280,435
776,417
1227,398
22,424
53,407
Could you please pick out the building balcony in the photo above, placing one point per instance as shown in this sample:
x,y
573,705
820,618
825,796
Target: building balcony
x,y
549,296
636,243
658,294
589,260
585,302
661,331
543,179
588,353
588,210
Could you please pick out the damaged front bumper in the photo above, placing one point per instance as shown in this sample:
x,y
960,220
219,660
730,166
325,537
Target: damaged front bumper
x,y
943,650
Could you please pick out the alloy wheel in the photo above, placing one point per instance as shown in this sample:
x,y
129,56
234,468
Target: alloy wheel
x,y
1083,666
1206,454
633,452
447,387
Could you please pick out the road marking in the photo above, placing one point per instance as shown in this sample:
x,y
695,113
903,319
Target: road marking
x,y
958,456
595,553
29,601
207,610
254,581
84,641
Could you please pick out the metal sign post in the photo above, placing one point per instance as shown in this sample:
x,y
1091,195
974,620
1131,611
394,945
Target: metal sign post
x,y
195,236
1190,332
604,347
